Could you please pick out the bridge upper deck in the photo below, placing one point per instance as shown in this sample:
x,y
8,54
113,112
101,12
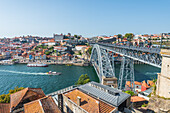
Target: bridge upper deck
x,y
142,49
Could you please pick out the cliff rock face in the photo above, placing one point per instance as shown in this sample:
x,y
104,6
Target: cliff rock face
x,y
159,105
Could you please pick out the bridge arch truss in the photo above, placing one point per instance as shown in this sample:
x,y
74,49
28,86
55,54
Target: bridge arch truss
x,y
102,62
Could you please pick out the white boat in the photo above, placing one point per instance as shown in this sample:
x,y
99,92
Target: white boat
x,y
36,65
53,73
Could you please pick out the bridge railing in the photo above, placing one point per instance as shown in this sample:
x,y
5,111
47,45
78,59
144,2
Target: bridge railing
x,y
144,49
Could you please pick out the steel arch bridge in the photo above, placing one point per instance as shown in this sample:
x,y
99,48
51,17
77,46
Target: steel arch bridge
x,y
103,61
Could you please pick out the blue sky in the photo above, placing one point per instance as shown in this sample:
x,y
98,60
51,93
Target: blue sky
x,y
86,17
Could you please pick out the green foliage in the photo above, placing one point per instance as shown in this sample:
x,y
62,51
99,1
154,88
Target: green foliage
x,y
163,98
47,53
51,48
79,53
90,49
130,93
129,36
120,36
14,60
154,86
144,105
101,39
75,36
149,95
83,79
78,37
5,98
139,38
154,89
154,80
42,47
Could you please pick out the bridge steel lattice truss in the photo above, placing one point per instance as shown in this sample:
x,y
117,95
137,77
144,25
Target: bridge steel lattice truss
x,y
103,61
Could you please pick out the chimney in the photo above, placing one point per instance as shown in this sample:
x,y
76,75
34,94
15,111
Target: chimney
x,y
78,100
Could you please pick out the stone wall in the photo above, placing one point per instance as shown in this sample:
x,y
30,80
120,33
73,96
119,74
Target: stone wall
x,y
163,82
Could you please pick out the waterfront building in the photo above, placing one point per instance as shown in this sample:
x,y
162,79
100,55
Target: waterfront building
x,y
92,98
138,86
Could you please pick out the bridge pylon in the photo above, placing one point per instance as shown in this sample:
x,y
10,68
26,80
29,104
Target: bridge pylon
x,y
126,74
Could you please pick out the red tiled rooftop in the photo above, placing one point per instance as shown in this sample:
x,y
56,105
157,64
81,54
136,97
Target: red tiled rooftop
x,y
137,99
88,103
4,108
43,105
17,97
145,84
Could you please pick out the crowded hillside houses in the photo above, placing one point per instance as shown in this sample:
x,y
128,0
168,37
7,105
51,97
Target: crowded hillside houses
x,y
59,47
63,47
144,40
88,98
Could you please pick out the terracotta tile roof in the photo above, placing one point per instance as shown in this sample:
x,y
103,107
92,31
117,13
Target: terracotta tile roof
x,y
88,103
128,83
137,99
33,107
4,108
150,82
137,83
49,105
17,97
43,105
145,84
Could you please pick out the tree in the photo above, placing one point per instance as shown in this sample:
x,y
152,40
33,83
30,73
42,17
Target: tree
x,y
129,36
139,38
120,36
83,79
69,34
101,39
51,48
75,36
47,53
78,37
14,60
90,49
130,93
5,98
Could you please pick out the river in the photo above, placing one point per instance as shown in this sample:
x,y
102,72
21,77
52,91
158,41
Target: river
x,y
22,76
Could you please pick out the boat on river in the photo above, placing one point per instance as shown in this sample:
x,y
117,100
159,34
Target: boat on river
x,y
53,73
36,65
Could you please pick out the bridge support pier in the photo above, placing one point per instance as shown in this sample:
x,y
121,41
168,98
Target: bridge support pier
x,y
111,81
126,74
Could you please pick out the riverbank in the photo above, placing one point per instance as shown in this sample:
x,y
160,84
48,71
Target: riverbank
x,y
49,62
